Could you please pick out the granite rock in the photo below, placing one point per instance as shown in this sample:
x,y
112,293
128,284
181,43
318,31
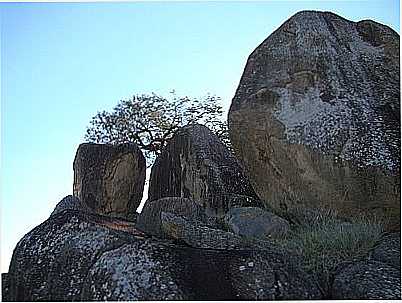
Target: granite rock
x,y
316,117
109,179
196,165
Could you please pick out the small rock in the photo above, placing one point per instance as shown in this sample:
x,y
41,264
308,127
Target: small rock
x,y
256,222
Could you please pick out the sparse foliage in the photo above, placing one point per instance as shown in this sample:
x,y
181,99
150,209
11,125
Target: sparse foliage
x,y
151,120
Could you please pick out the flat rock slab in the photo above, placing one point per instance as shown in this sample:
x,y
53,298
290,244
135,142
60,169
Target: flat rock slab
x,y
316,116
196,165
109,179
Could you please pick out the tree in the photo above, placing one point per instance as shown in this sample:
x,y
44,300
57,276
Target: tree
x,y
151,120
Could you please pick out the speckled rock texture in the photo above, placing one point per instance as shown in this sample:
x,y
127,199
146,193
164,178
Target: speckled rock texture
x,y
364,280
388,250
196,165
149,220
74,256
5,288
316,116
51,262
198,235
151,270
109,179
71,203
256,222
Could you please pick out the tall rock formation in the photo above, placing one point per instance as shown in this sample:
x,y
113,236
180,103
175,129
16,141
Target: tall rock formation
x,y
109,179
316,116
196,165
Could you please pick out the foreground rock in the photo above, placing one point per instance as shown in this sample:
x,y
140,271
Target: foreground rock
x,y
196,165
367,280
109,179
316,116
256,222
76,256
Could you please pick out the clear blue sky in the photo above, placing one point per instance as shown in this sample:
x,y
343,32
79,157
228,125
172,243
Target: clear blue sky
x,y
61,63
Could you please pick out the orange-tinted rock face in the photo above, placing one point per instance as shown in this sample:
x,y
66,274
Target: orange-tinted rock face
x,y
315,118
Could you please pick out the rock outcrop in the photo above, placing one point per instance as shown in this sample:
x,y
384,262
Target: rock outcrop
x,y
196,165
316,117
76,256
109,179
256,222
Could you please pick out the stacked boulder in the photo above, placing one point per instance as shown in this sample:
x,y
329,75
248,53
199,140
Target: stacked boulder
x,y
197,165
109,179
316,117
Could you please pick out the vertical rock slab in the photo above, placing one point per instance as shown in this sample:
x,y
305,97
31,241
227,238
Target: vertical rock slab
x,y
196,165
316,116
109,179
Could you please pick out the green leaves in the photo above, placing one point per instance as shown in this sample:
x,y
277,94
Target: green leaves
x,y
151,120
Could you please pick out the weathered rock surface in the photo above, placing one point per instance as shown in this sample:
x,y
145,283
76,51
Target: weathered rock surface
x,y
367,280
149,220
51,262
76,256
256,222
196,165
5,287
389,250
71,203
109,179
316,116
198,235
151,270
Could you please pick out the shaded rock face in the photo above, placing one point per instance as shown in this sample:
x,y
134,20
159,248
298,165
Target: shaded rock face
x,y
367,280
149,220
196,165
75,256
109,179
256,222
316,116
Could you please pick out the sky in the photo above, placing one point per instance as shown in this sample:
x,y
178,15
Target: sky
x,y
61,63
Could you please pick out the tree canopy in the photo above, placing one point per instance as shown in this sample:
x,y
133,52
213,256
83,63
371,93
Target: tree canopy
x,y
151,120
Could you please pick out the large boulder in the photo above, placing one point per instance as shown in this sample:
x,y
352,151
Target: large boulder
x,y
197,165
256,222
51,262
316,116
109,179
